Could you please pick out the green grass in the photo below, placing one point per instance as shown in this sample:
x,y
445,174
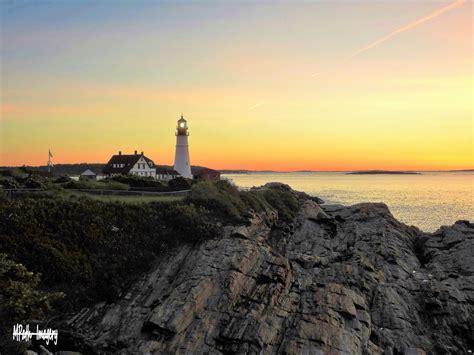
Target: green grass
x,y
134,199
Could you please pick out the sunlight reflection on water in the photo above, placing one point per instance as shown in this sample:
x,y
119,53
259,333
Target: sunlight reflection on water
x,y
428,200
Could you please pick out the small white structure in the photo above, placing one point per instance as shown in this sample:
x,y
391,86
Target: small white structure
x,y
133,164
181,159
166,174
88,175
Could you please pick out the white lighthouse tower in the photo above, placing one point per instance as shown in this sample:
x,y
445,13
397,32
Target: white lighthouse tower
x,y
181,158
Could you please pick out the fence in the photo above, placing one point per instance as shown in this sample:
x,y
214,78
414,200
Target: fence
x,y
133,193
16,192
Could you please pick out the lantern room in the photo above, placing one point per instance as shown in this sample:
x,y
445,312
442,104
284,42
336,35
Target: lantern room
x,y
182,127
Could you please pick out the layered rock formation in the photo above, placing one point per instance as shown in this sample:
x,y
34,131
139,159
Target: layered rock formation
x,y
338,280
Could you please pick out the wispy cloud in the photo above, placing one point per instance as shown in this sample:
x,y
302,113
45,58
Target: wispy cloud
x,y
409,26
258,104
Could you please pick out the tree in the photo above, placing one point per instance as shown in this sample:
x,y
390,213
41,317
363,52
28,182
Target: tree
x,y
20,300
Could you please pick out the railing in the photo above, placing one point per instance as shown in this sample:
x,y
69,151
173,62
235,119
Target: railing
x,y
11,192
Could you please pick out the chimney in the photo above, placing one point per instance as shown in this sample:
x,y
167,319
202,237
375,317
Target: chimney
x,y
120,152
135,152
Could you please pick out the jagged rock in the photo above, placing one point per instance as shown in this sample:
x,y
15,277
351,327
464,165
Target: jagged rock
x,y
311,210
341,280
413,351
44,351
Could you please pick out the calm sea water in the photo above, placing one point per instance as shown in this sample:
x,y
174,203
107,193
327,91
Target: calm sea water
x,y
428,200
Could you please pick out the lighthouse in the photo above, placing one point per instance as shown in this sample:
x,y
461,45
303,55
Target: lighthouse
x,y
181,157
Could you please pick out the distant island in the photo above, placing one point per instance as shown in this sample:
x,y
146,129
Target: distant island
x,y
244,171
384,172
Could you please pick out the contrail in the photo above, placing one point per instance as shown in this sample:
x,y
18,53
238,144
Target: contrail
x,y
408,27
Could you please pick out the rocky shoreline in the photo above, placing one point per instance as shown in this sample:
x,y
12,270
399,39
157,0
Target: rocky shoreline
x,y
337,280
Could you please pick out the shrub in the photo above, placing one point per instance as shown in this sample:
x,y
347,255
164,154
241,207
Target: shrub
x,y
95,185
179,183
8,183
62,179
20,301
221,198
189,223
34,183
284,202
227,202
137,181
91,249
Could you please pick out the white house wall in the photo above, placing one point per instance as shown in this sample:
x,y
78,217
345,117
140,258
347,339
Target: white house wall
x,y
141,168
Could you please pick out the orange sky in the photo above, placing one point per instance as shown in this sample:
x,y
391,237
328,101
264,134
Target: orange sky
x,y
291,86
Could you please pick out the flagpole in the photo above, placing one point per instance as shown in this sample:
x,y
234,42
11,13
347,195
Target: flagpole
x,y
50,163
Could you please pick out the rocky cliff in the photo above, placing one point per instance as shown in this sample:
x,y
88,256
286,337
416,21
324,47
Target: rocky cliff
x,y
338,280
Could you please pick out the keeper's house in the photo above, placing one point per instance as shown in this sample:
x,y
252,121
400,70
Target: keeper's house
x,y
133,164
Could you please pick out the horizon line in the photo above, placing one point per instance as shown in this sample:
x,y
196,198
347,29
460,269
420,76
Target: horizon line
x,y
272,170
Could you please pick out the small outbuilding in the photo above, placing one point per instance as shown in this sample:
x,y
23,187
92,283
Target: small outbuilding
x,y
88,175
165,173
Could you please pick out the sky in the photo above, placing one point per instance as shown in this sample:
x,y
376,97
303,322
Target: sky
x,y
287,85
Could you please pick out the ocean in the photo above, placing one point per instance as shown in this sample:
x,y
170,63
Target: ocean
x,y
427,201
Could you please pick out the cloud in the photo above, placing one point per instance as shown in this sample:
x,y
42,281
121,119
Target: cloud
x,y
258,104
410,26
